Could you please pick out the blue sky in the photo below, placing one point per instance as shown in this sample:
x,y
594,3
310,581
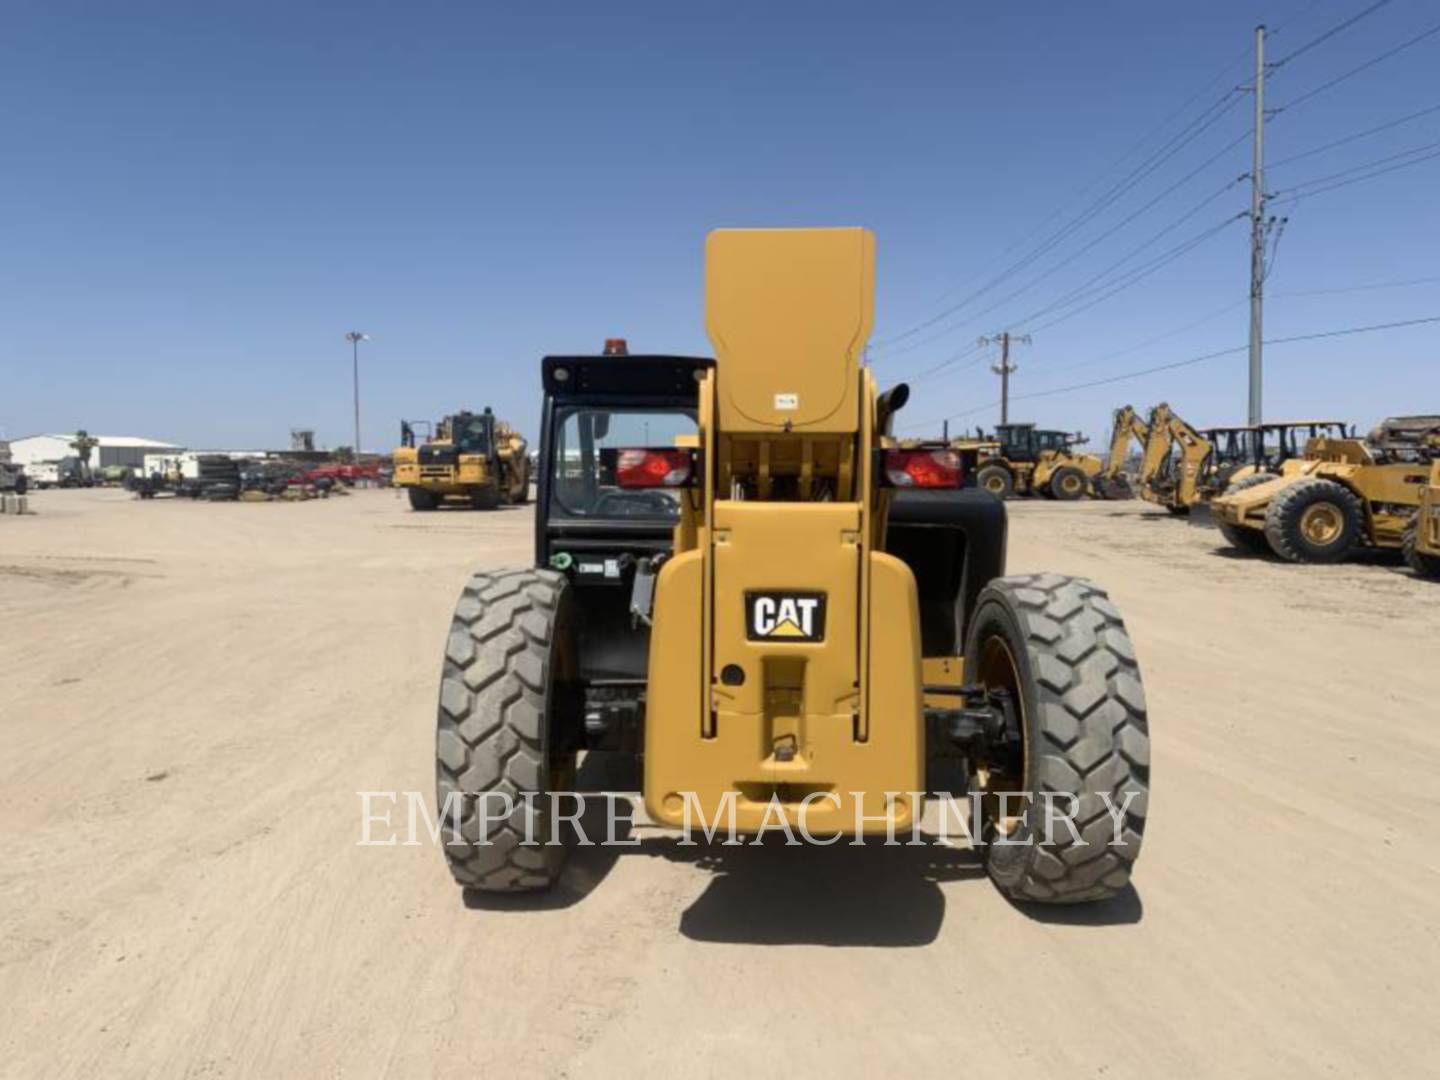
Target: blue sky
x,y
197,200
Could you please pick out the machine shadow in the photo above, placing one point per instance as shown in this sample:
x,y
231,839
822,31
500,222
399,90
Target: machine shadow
x,y
773,894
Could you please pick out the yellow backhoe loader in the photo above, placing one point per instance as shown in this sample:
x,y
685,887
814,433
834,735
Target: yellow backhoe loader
x,y
1172,472
745,583
1344,494
1112,481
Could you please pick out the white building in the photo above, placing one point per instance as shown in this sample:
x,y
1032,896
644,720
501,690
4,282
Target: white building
x,y
109,449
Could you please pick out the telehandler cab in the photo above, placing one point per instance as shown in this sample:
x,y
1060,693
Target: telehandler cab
x,y
742,578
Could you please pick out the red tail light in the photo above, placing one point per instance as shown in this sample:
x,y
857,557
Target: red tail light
x,y
653,468
923,468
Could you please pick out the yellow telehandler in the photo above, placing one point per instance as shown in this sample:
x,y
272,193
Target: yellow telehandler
x,y
743,581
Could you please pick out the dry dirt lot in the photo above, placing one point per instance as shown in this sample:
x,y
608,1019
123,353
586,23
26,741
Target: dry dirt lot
x,y
194,694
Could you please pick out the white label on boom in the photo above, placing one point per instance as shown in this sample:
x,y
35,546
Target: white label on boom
x,y
787,402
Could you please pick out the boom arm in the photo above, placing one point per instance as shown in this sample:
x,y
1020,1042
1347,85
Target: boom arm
x,y
1166,430
1127,425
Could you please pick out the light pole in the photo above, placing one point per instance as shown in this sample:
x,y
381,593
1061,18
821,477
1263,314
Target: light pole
x,y
355,337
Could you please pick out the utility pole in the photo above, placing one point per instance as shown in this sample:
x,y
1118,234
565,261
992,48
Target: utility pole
x,y
1005,369
355,337
1257,234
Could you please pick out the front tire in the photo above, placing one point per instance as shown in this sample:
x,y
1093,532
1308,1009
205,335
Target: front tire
x,y
1059,647
504,699
420,499
1314,520
1067,484
997,480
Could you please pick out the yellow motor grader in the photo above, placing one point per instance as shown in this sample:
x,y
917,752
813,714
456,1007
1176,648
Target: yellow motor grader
x,y
745,583
472,457
1344,494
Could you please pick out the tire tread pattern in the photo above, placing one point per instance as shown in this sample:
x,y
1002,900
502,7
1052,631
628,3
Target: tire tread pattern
x,y
1093,736
491,732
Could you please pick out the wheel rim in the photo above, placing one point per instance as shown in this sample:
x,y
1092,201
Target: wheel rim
x,y
1322,523
995,484
996,669
1070,484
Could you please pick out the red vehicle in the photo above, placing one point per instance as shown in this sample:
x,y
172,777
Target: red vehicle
x,y
344,474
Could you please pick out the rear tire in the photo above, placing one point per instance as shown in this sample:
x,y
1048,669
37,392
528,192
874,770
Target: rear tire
x,y
503,700
997,480
420,499
1063,647
1427,566
1315,521
485,499
1067,484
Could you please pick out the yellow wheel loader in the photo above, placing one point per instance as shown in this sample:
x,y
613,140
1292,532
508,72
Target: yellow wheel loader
x,y
1023,460
745,583
1421,542
472,457
1344,494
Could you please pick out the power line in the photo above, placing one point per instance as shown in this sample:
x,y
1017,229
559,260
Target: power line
x,y
1129,153
1361,288
1168,150
1354,137
1386,55
1328,34
1296,193
1122,377
1116,228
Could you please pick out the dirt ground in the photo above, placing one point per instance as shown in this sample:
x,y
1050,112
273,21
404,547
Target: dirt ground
x,y
194,694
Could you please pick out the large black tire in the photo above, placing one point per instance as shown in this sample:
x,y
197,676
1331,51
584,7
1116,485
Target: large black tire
x,y
1427,566
1249,540
997,480
487,498
504,696
420,499
1253,480
1314,520
1060,647
1068,483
